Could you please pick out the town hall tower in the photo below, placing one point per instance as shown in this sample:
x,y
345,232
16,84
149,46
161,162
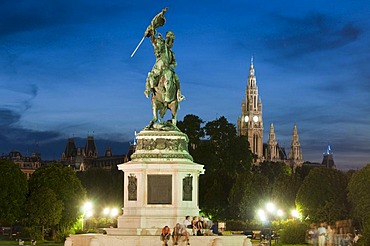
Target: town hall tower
x,y
250,123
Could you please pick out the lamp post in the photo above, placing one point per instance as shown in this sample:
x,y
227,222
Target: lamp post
x,y
295,214
267,214
106,213
110,212
87,211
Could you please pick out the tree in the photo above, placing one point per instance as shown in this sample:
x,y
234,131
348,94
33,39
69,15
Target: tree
x,y
285,190
105,187
359,197
63,182
231,152
192,127
322,195
225,156
13,191
273,171
44,208
247,194
304,170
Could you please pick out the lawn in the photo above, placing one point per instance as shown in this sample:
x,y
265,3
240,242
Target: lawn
x,y
45,243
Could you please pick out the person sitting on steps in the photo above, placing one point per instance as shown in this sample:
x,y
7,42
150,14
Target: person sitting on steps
x,y
165,235
178,232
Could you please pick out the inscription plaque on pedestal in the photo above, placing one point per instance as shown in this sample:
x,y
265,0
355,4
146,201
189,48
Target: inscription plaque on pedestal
x,y
159,189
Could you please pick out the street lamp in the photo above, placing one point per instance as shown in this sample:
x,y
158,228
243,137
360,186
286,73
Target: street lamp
x,y
87,211
114,212
106,211
262,215
267,214
295,214
270,207
280,213
110,212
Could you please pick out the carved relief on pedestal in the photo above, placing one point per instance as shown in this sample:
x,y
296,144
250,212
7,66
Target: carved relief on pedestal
x,y
132,187
187,188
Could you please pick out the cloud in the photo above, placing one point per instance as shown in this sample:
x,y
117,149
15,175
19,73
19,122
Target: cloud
x,y
9,122
8,118
14,136
21,98
311,33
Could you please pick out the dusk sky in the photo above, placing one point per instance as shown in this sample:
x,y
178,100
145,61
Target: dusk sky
x,y
65,70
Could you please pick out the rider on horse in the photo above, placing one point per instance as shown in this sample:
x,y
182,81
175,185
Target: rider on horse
x,y
162,79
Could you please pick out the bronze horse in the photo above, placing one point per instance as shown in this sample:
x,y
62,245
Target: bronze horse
x,y
162,82
166,96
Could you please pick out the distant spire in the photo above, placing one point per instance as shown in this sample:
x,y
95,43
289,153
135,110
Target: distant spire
x,y
328,159
251,69
328,150
272,145
295,154
135,137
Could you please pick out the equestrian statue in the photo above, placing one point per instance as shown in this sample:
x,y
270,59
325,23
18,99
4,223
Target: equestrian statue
x,y
162,83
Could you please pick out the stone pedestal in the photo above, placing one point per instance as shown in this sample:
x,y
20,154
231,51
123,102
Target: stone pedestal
x,y
160,184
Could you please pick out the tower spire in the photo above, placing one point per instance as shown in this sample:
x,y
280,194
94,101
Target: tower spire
x,y
251,69
250,123
295,154
272,153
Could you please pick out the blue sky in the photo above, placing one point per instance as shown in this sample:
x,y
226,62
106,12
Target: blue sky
x,y
65,70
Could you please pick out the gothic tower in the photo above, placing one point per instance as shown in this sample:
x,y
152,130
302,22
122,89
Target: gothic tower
x,y
250,123
272,149
295,155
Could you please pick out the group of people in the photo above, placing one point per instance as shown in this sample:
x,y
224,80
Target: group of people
x,y
327,235
198,226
